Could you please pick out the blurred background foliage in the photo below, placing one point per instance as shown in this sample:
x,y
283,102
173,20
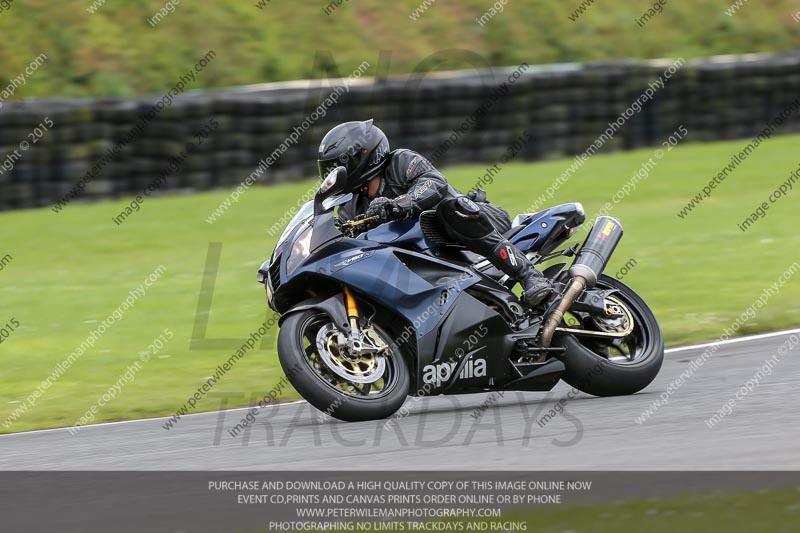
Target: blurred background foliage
x,y
114,52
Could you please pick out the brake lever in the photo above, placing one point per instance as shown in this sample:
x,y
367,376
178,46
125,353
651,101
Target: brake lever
x,y
350,227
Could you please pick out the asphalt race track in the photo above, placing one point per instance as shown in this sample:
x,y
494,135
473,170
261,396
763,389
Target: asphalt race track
x,y
446,433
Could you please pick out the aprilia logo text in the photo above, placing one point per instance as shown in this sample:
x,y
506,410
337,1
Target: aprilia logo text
x,y
439,374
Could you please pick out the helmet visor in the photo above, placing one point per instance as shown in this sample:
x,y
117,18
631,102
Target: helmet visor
x,y
325,166
350,162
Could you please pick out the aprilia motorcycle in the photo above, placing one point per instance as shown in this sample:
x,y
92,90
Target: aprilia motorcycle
x,y
371,315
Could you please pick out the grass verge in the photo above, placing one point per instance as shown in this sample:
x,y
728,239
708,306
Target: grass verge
x,y
69,271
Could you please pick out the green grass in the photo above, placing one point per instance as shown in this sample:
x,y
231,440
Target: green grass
x,y
767,511
114,52
759,511
72,268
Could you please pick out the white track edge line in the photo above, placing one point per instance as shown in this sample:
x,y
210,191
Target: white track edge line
x,y
667,351
117,422
732,341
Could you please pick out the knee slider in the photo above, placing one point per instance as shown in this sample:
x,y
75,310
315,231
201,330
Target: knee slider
x,y
466,208
463,219
458,210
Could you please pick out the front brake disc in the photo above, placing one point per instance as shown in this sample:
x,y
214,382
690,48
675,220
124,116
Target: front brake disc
x,y
367,368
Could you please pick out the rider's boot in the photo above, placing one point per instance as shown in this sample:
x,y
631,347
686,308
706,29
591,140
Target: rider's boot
x,y
512,262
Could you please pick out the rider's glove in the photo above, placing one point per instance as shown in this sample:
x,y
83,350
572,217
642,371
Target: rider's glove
x,y
378,208
396,209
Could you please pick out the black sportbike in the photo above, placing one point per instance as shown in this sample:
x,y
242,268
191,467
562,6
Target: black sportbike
x,y
372,314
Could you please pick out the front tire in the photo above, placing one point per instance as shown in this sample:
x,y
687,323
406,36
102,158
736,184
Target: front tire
x,y
598,368
311,375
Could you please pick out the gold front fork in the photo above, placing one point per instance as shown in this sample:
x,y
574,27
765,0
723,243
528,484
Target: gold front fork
x,y
352,310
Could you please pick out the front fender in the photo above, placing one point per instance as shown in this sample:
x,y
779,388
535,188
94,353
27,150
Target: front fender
x,y
333,306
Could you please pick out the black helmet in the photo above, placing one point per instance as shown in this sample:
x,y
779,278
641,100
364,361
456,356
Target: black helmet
x,y
359,147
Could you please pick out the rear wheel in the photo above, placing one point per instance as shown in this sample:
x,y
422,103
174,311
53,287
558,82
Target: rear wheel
x,y
319,366
623,361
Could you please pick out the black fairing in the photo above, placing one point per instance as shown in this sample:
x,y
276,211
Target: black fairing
x,y
470,336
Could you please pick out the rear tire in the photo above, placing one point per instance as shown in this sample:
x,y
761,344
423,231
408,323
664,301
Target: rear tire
x,y
314,381
594,374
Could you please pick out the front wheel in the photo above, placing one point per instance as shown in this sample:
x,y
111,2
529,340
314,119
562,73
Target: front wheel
x,y
623,361
320,368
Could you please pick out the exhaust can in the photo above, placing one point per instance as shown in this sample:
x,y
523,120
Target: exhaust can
x,y
597,250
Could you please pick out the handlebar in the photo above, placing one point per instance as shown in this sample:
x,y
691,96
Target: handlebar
x,y
349,227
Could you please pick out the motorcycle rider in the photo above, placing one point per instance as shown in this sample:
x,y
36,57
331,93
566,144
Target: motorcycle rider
x,y
399,184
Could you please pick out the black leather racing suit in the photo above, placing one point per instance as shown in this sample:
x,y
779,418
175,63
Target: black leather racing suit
x,y
410,173
412,180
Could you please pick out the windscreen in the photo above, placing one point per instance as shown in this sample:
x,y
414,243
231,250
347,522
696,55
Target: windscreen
x,y
305,212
